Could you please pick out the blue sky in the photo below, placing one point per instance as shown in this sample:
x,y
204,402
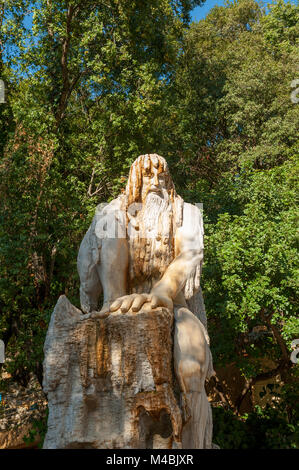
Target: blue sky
x,y
201,12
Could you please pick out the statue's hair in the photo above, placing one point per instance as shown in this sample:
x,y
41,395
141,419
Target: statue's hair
x,y
150,260
140,165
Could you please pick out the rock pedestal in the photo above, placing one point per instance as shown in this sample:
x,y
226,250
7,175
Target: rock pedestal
x,y
110,382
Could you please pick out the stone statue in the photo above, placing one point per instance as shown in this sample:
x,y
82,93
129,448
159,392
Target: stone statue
x,y
144,250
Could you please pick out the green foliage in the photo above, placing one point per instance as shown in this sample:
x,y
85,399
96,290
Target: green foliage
x,y
229,431
281,27
254,256
233,108
268,427
264,428
38,430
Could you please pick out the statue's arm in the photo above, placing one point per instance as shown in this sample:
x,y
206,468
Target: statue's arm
x,y
189,255
102,249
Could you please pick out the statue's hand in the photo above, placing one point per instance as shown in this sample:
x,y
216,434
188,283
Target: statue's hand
x,y
134,301
103,313
160,299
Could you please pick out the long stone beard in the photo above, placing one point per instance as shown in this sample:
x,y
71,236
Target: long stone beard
x,y
152,246
154,207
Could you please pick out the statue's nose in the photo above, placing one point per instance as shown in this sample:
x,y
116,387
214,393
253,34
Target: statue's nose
x,y
155,181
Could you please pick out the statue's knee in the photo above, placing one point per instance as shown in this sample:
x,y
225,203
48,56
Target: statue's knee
x,y
192,374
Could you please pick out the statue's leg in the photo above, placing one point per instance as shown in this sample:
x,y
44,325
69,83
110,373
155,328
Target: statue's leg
x,y
113,270
192,365
90,290
114,259
90,284
103,266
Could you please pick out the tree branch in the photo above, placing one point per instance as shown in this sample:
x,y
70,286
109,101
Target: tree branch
x,y
276,334
64,66
98,188
219,389
282,366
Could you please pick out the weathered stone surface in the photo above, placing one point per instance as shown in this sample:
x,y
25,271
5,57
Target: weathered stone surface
x,y
110,381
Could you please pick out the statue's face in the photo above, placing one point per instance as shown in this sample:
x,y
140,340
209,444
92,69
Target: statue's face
x,y
153,181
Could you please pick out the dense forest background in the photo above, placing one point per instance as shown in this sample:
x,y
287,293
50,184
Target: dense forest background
x,y
92,84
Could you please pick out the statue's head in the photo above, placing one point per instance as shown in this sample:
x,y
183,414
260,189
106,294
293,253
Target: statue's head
x,y
155,221
149,174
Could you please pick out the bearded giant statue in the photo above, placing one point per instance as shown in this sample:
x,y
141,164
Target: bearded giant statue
x,y
139,265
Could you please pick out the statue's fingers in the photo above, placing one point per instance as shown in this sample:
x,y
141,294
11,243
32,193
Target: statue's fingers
x,y
139,301
104,313
127,302
116,304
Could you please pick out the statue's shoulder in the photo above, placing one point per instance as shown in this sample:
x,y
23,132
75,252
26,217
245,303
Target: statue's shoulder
x,y
118,204
194,209
192,216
